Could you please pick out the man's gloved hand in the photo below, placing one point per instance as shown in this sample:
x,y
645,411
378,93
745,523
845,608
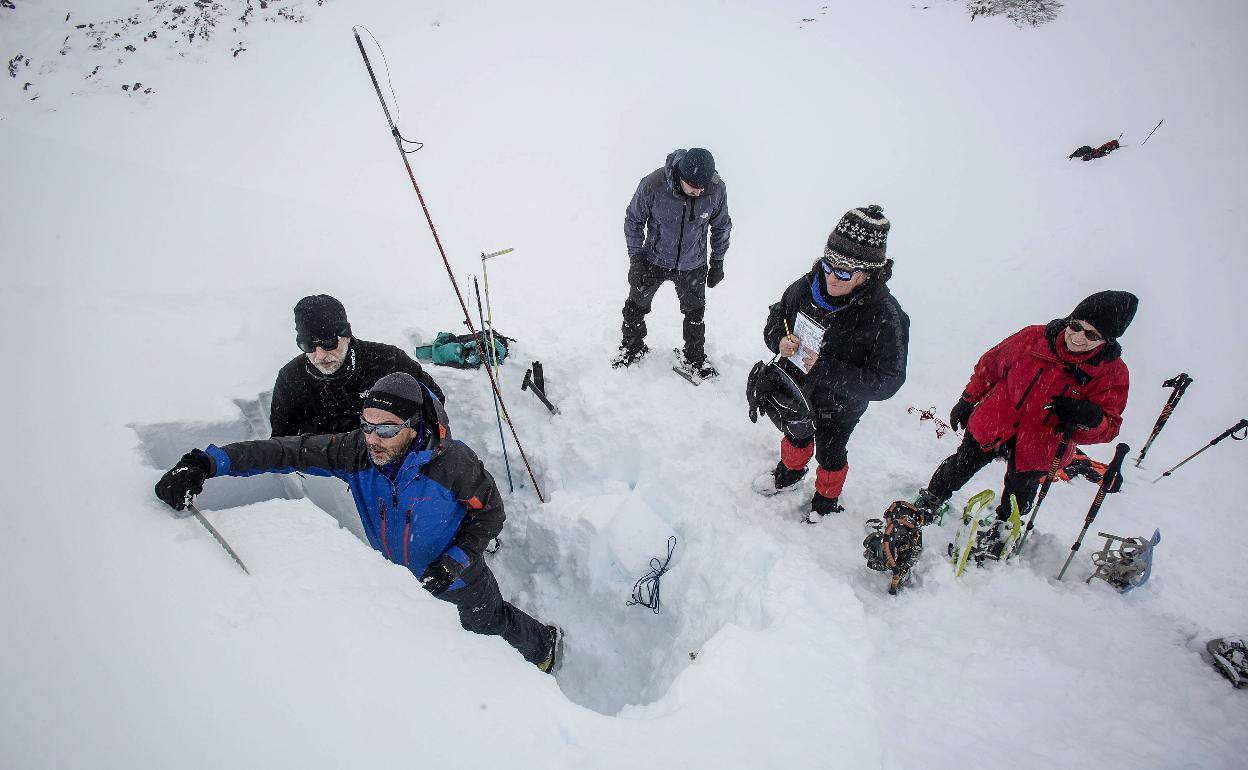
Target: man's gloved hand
x,y
1075,412
443,574
184,480
714,275
960,416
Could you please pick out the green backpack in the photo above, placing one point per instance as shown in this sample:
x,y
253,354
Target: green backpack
x,y
463,351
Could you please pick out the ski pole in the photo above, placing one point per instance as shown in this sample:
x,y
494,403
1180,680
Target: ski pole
x,y
411,175
489,311
215,534
1109,482
1179,383
1241,425
1150,133
1054,467
511,487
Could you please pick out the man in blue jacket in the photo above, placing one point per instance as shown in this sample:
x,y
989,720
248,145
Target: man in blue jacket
x,y
666,227
425,501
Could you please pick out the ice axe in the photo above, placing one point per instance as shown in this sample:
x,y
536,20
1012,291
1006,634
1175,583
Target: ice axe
x,y
1111,481
535,380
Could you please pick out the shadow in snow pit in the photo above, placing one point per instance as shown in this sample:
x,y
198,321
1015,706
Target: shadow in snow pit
x,y
164,443
574,562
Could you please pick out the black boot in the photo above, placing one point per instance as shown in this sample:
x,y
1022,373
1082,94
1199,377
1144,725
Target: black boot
x,y
821,506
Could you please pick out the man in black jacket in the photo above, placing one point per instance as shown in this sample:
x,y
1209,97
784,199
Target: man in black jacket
x,y
844,339
321,390
666,227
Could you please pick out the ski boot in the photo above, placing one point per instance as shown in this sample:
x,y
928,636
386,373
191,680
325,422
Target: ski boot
x,y
629,356
554,656
930,509
780,479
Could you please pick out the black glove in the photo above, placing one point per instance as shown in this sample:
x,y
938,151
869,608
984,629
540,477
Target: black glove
x,y
1075,412
184,480
715,275
442,574
960,416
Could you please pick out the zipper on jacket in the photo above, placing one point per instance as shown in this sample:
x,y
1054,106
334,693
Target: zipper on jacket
x,y
407,533
385,547
680,239
1030,385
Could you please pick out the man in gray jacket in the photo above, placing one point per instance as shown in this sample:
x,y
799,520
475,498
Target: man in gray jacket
x,y
666,229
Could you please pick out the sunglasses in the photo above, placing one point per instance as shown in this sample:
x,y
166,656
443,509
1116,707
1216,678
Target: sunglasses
x,y
843,275
1091,334
307,346
387,430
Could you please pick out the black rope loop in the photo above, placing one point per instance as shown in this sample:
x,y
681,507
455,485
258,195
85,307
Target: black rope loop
x,y
646,590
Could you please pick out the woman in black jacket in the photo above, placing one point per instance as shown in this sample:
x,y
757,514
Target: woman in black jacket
x,y
843,338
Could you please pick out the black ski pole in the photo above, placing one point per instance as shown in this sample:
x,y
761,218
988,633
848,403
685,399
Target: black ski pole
x,y
1150,133
1044,488
1179,384
487,361
1110,482
1241,425
398,143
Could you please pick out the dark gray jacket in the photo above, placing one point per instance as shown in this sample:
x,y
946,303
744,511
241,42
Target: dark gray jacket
x,y
669,228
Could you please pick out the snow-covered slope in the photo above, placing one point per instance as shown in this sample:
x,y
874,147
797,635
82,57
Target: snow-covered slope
x,y
154,244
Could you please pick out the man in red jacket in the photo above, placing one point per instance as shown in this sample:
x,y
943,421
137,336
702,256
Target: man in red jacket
x,y
1028,389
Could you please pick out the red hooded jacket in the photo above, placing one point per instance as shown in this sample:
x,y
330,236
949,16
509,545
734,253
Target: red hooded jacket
x,y
1015,380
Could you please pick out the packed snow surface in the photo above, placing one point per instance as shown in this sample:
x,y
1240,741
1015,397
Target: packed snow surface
x,y
156,237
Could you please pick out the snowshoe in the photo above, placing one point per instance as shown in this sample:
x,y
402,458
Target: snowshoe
x,y
779,479
1127,566
975,513
693,371
629,356
1230,656
894,543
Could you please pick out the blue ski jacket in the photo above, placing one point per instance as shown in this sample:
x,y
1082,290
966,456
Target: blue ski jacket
x,y
442,500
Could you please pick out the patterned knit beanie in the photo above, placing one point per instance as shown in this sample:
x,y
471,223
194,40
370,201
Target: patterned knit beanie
x,y
859,240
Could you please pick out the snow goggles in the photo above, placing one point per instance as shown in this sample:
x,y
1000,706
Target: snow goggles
x,y
843,275
387,430
1091,334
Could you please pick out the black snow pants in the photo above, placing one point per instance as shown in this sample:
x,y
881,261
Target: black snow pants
x,y
483,611
644,280
959,467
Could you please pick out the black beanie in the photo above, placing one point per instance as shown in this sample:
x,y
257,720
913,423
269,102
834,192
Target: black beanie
x,y
320,317
1109,311
697,167
860,239
399,394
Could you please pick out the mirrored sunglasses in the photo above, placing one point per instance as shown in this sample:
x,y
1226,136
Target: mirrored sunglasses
x,y
1091,334
386,430
843,275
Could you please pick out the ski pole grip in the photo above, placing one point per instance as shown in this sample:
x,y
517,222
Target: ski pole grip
x,y
1111,481
1241,425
